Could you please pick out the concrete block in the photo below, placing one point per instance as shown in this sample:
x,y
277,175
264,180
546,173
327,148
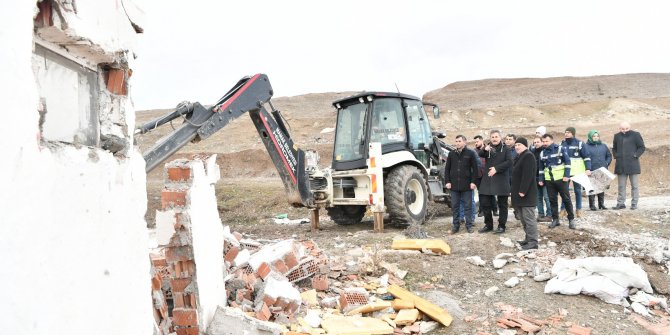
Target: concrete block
x,y
232,321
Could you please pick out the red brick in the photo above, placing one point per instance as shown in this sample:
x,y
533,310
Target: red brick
x,y
178,300
293,307
187,331
179,284
116,81
184,317
183,269
158,260
263,313
191,300
179,173
320,283
263,270
156,282
238,236
281,303
268,300
280,266
291,260
176,254
231,254
173,198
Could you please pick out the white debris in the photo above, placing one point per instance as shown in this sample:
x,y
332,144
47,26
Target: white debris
x,y
542,277
476,260
504,255
312,318
491,291
428,326
499,263
327,130
639,309
648,299
506,241
607,278
288,221
514,281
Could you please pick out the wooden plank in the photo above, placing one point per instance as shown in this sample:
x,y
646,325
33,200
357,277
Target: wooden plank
x,y
355,325
371,307
406,317
399,304
436,246
435,312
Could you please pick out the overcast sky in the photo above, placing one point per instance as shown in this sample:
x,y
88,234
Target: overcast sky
x,y
196,50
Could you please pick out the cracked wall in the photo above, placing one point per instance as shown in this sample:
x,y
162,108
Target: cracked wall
x,y
74,243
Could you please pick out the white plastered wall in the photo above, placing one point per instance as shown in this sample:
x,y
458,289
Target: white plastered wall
x,y
74,240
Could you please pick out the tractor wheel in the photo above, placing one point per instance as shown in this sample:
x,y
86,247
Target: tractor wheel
x,y
405,195
346,215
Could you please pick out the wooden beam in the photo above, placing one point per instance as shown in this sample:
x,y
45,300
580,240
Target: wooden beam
x,y
435,312
436,246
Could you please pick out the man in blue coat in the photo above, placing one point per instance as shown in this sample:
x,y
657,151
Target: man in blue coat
x,y
554,171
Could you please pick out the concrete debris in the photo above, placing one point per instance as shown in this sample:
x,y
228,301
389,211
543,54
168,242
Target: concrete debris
x,y
514,281
499,263
232,321
476,260
287,221
491,291
542,277
426,327
506,241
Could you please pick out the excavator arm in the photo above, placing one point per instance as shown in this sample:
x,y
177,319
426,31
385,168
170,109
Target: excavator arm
x,y
249,95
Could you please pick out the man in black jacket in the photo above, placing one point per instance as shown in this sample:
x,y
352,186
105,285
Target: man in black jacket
x,y
459,175
627,148
524,192
495,182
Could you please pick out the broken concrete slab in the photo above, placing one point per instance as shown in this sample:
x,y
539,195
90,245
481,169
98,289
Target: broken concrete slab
x,y
475,260
512,282
433,311
232,321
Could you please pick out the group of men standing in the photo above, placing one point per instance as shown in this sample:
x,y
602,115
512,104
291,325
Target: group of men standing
x,y
535,175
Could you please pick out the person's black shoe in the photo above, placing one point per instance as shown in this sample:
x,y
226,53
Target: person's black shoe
x,y
522,243
603,207
554,223
528,247
632,207
572,225
593,208
454,230
471,230
485,229
499,230
619,207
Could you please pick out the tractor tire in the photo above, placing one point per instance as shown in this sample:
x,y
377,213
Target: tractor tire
x,y
406,195
346,215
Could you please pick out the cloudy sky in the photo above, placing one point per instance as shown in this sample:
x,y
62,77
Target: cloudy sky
x,y
196,50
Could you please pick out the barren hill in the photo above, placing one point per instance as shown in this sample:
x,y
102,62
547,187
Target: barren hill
x,y
474,107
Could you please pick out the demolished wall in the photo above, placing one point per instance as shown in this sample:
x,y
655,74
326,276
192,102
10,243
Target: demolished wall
x,y
189,230
74,237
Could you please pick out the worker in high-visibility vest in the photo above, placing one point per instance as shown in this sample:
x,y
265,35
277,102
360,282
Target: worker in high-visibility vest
x,y
554,171
580,162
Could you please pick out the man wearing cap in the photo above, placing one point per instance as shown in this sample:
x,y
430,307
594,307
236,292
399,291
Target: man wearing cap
x,y
580,162
524,192
627,148
554,171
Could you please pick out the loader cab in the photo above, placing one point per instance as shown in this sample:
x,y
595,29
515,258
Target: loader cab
x,y
397,121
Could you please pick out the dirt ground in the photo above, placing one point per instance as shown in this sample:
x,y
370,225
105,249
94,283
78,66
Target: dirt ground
x,y
250,194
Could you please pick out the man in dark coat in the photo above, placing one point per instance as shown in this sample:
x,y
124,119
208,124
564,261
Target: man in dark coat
x,y
524,192
495,182
627,148
459,175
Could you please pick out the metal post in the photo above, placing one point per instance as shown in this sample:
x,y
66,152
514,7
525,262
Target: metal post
x,y
314,219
